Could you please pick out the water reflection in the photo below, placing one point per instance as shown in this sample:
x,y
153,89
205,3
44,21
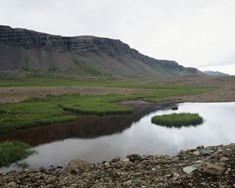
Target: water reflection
x,y
141,136
177,126
90,126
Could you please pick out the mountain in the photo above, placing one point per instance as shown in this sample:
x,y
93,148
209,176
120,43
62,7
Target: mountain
x,y
26,50
215,73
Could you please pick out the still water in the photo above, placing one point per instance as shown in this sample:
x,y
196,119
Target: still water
x,y
97,139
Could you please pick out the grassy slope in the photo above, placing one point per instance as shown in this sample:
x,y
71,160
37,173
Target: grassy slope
x,y
50,110
46,81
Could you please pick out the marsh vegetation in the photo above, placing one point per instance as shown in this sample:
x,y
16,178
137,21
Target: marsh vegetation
x,y
178,120
13,151
51,109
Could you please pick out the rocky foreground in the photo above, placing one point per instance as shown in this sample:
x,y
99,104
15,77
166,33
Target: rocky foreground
x,y
212,166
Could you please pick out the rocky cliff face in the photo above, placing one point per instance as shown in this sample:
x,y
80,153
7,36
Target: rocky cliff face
x,y
83,45
42,51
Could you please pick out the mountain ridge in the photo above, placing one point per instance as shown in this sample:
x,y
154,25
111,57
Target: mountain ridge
x,y
22,49
215,73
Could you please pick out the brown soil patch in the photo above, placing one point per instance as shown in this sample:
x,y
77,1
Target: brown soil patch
x,y
224,90
18,94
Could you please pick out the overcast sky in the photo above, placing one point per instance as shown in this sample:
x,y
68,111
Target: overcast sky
x,y
195,33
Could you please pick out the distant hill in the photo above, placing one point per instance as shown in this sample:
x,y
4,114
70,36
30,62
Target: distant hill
x,y
26,50
215,73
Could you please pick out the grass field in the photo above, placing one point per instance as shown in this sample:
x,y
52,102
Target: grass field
x,y
52,81
51,109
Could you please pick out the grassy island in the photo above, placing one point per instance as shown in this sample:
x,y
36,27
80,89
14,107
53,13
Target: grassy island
x,y
177,120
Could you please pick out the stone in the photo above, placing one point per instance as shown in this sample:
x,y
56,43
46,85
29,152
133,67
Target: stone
x,y
190,184
11,185
205,153
116,159
106,164
134,157
189,169
212,169
196,153
223,159
127,183
160,185
227,171
42,169
200,147
152,171
98,185
126,160
175,159
168,175
203,183
77,165
174,107
158,167
175,174
219,150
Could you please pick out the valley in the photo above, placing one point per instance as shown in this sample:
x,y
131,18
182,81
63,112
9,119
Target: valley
x,y
94,98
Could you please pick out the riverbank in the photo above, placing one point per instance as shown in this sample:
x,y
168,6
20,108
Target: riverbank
x,y
212,166
149,171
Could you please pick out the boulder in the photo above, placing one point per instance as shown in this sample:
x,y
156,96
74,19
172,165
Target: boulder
x,y
189,169
134,157
116,159
223,159
212,169
126,160
174,107
77,165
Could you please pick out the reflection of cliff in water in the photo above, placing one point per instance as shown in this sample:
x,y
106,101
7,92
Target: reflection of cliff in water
x,y
91,126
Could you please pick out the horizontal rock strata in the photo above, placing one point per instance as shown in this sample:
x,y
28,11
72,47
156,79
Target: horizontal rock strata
x,y
27,49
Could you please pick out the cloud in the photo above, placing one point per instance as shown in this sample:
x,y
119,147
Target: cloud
x,y
194,33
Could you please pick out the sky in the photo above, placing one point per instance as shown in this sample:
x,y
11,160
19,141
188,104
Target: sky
x,y
194,33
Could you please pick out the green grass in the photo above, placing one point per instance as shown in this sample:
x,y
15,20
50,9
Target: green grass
x,y
31,113
13,151
53,81
50,110
177,120
99,105
82,68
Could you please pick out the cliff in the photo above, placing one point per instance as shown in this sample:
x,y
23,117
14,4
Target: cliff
x,y
22,49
